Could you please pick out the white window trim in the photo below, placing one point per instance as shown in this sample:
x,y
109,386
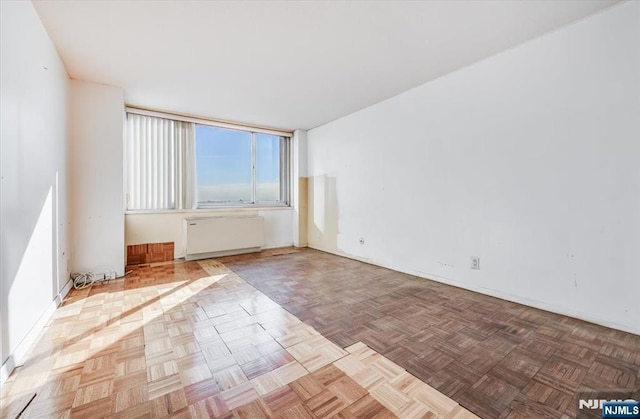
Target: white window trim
x,y
222,209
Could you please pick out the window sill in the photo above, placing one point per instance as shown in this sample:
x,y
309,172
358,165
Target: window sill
x,y
212,209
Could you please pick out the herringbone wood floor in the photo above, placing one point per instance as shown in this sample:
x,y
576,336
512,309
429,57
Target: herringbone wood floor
x,y
496,358
195,340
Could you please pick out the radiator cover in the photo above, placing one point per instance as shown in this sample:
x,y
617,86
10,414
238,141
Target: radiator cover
x,y
222,236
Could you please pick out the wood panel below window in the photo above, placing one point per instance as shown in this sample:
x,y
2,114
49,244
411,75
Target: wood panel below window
x,y
139,254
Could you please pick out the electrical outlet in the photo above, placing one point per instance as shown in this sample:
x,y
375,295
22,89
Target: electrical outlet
x,y
475,262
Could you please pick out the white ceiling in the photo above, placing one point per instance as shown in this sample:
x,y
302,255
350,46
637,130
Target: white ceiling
x,y
286,64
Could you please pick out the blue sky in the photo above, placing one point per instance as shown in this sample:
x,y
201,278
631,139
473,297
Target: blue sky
x,y
223,156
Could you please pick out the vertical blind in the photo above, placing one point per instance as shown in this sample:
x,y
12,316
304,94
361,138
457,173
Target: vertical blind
x,y
160,171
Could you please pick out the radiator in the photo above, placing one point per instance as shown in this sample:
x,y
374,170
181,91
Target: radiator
x,y
222,236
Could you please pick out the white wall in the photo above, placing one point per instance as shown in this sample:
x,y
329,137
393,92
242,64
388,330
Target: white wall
x,y
33,209
96,178
529,160
168,226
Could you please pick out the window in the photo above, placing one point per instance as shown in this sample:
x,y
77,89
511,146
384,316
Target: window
x,y
223,165
176,164
240,167
268,168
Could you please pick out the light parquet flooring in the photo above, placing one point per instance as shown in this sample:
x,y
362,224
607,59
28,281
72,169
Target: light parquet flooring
x,y
194,340
494,357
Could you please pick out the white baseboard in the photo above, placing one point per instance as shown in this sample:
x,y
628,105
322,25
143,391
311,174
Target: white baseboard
x,y
209,255
277,246
588,317
63,293
19,355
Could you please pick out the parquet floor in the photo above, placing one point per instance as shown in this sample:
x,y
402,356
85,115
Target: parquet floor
x,y
194,340
495,358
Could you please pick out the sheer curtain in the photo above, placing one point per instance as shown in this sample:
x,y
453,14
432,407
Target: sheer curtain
x,y
160,156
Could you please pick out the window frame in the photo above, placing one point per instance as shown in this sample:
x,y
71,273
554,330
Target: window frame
x,y
286,166
284,184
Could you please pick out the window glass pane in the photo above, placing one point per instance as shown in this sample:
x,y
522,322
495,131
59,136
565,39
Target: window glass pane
x,y
268,167
223,165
